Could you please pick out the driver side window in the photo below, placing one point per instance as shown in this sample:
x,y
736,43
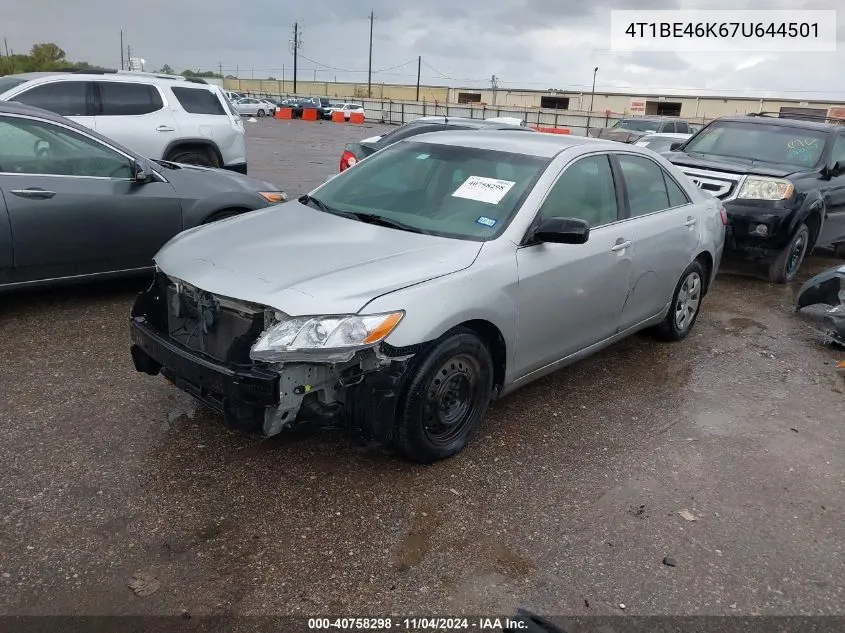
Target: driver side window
x,y
838,153
585,191
29,146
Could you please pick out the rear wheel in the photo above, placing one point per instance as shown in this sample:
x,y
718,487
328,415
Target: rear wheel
x,y
686,304
260,113
194,156
786,265
445,398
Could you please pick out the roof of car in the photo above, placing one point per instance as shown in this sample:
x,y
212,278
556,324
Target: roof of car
x,y
125,76
665,135
785,122
539,144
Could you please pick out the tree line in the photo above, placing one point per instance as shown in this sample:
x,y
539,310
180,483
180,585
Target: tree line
x,y
49,56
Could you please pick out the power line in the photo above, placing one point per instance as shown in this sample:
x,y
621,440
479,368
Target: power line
x,y
347,70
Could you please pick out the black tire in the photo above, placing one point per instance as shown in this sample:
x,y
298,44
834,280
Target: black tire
x,y
787,264
839,251
444,397
686,304
221,215
198,156
260,113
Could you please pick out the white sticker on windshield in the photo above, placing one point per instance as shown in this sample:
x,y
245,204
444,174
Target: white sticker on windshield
x,y
480,189
641,143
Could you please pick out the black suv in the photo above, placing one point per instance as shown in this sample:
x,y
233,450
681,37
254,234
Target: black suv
x,y
353,152
782,182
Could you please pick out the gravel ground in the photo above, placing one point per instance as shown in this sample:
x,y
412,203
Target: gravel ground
x,y
724,452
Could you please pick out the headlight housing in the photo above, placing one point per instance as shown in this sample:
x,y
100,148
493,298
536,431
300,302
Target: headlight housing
x,y
274,197
330,338
762,188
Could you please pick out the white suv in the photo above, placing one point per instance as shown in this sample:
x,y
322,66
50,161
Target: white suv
x,y
169,117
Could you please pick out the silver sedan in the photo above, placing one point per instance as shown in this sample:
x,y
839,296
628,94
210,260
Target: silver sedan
x,y
407,292
250,106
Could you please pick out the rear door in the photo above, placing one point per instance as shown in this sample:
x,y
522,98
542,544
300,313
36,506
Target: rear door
x,y
666,228
72,98
206,115
74,207
134,115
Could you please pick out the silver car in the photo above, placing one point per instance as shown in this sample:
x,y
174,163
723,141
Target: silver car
x,y
403,295
250,106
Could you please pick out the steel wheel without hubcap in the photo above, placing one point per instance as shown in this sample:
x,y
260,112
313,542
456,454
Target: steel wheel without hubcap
x,y
796,255
451,399
689,298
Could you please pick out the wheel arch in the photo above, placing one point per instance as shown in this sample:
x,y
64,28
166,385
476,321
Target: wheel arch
x,y
183,144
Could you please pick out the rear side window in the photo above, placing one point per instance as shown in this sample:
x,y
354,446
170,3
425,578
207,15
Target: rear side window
x,y
669,127
198,101
68,98
682,127
124,99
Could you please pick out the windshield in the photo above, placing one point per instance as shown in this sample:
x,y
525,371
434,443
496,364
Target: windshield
x,y
760,142
636,125
658,144
7,83
457,192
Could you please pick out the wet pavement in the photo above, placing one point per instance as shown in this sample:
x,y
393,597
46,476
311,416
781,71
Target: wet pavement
x,y
567,502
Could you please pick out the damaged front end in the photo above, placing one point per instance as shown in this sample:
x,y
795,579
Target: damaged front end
x,y
828,288
264,370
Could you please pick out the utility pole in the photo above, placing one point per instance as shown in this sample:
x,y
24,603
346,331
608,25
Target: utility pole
x,y
295,51
122,67
220,69
129,57
6,46
592,95
494,85
370,67
419,69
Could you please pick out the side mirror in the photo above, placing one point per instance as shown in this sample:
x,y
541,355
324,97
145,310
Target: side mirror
x,y
562,231
41,147
837,169
675,146
138,172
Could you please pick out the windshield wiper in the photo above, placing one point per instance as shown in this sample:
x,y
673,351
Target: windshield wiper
x,y
319,204
378,220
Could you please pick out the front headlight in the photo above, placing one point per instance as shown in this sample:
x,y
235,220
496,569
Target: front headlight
x,y
761,188
333,338
273,197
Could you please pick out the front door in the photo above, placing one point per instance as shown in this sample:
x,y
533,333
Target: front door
x,y
73,205
833,230
571,295
666,228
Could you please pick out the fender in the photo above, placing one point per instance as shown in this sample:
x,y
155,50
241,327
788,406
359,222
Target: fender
x,y
205,142
812,203
201,210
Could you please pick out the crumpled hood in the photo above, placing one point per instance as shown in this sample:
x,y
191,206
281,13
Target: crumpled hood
x,y
303,261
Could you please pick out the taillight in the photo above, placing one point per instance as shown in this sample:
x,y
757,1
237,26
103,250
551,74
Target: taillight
x,y
347,160
723,215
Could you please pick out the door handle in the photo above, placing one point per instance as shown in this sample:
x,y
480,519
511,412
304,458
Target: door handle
x,y
165,128
621,246
33,193
690,222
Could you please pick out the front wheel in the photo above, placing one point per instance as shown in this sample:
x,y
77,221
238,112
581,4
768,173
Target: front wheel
x,y
445,398
686,304
785,266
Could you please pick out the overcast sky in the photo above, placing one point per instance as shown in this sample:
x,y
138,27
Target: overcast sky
x,y
537,44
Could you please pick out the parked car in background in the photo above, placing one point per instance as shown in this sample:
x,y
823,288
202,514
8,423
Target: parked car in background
x,y
234,96
446,270
80,206
660,142
346,108
631,129
781,180
311,103
251,106
354,152
175,118
694,127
